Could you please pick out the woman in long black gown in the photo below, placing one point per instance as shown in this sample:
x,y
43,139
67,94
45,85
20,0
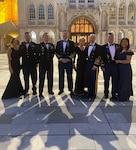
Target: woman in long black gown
x,y
14,88
125,71
80,67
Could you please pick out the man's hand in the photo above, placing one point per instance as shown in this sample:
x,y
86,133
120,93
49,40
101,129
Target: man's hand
x,y
94,67
64,60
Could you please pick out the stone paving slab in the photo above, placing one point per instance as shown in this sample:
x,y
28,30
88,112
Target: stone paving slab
x,y
64,122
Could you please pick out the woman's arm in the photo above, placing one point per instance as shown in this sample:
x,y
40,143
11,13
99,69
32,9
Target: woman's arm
x,y
9,60
127,61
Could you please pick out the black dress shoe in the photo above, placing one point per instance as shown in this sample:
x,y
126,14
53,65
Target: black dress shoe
x,y
114,99
71,93
51,92
40,95
105,96
60,92
34,92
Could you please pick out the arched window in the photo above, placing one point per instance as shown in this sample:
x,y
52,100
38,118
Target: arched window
x,y
31,12
131,12
130,37
112,12
41,36
41,12
81,28
120,36
33,36
122,11
50,12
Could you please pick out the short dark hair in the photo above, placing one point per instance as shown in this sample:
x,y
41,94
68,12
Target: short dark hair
x,y
92,33
45,33
27,33
110,33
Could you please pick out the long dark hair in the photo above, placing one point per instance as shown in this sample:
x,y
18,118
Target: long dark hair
x,y
126,39
13,39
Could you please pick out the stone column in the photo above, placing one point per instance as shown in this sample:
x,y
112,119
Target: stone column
x,y
3,50
103,37
77,4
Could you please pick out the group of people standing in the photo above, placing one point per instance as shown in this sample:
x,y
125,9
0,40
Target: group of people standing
x,y
112,58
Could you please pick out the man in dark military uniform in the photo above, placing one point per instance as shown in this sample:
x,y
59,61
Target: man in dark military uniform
x,y
92,63
109,67
65,51
46,64
29,53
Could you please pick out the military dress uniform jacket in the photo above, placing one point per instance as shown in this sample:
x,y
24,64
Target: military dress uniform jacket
x,y
95,55
30,55
46,55
69,51
106,55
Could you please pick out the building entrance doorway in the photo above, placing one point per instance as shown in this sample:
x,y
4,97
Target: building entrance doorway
x,y
81,28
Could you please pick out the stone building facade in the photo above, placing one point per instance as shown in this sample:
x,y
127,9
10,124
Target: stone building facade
x,y
79,17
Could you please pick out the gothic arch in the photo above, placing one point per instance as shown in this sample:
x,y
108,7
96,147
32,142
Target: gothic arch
x,y
130,36
90,19
131,11
81,26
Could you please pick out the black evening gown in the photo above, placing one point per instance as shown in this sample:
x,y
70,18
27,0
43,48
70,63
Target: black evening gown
x,y
80,71
14,88
125,78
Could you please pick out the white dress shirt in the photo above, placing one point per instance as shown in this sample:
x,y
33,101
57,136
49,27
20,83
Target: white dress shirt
x,y
64,45
112,50
90,48
27,44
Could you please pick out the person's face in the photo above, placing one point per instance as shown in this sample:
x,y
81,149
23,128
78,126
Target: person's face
x,y
92,38
124,44
15,43
82,42
45,37
65,35
27,37
111,38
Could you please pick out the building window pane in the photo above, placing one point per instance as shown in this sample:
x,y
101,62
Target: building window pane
x,y
131,12
81,1
72,1
41,12
82,25
90,1
32,12
122,12
50,12
112,12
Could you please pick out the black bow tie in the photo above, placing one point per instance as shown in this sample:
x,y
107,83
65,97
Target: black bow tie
x,y
111,44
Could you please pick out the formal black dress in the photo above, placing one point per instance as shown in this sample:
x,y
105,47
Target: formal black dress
x,y
14,87
80,71
125,78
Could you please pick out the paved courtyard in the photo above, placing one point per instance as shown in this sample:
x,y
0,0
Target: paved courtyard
x,y
62,122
